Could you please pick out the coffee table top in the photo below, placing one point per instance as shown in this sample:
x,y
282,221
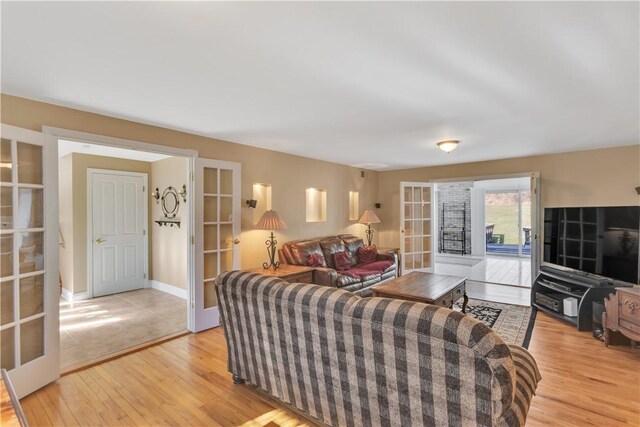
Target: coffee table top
x,y
420,286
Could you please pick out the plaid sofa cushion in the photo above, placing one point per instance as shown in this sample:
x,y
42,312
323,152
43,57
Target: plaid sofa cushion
x,y
351,361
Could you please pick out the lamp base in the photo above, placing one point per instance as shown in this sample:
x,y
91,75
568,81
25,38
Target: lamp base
x,y
271,250
369,234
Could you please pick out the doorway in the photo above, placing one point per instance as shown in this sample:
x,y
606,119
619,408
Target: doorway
x,y
30,345
486,233
124,265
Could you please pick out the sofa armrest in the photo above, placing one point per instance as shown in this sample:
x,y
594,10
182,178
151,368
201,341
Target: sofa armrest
x,y
527,378
388,257
325,276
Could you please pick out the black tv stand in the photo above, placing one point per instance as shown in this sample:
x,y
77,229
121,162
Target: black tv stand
x,y
585,287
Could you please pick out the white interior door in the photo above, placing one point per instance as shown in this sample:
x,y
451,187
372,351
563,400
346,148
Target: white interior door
x,y
118,212
30,340
217,233
417,226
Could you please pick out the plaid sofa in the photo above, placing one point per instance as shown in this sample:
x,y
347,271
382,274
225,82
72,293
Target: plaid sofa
x,y
351,361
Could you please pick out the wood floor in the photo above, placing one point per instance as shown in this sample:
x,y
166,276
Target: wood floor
x,y
185,382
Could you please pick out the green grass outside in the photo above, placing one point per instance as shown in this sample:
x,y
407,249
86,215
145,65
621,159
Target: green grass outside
x,y
505,218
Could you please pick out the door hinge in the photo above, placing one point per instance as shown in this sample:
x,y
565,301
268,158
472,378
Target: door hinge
x,y
144,232
193,240
193,176
144,275
193,304
144,188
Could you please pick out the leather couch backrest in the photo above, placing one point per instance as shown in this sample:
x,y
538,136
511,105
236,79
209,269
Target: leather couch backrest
x,y
290,252
299,252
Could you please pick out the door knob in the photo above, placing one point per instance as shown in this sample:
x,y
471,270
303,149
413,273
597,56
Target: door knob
x,y
236,241
99,241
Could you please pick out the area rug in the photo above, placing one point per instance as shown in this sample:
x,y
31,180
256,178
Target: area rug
x,y
514,323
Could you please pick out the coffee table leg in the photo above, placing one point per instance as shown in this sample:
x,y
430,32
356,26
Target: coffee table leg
x,y
464,303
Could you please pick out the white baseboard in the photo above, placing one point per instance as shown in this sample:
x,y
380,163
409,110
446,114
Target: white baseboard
x,y
78,296
170,289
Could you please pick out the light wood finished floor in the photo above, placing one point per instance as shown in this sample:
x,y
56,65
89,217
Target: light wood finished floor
x,y
95,328
185,382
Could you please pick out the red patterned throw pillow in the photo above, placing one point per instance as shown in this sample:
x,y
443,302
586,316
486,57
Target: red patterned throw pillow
x,y
316,260
367,254
342,260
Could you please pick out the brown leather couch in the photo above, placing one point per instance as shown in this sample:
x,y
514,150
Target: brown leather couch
x,y
299,251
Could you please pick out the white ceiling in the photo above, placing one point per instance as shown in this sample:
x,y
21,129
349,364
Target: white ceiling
x,y
65,147
369,84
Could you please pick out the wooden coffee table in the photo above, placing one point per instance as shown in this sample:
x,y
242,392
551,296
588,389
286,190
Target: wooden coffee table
x,y
435,289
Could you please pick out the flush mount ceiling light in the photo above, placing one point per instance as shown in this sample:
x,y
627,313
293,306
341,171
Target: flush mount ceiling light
x,y
448,146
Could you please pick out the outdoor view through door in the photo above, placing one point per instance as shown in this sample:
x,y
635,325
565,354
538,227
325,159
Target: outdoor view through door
x,y
508,222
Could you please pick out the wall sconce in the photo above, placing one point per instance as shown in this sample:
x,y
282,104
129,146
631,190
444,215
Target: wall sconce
x,y
252,203
156,195
183,193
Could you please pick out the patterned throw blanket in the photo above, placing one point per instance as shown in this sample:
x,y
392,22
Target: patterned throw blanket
x,y
364,270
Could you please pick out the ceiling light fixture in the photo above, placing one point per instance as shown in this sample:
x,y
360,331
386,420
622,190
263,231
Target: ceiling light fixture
x,y
448,146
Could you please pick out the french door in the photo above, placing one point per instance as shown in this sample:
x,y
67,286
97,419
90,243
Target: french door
x,y
416,226
29,339
217,234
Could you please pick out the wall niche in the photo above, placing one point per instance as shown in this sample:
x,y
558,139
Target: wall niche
x,y
316,204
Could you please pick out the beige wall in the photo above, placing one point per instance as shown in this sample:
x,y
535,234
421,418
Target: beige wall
x,y
65,206
604,177
289,175
73,213
169,248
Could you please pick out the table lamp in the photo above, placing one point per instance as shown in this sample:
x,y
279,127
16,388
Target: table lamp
x,y
271,220
368,218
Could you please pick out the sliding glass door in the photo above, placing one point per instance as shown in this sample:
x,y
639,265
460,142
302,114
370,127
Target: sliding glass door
x,y
508,222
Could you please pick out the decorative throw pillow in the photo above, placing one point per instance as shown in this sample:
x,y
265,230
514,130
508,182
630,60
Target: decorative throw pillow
x,y
342,260
367,254
315,260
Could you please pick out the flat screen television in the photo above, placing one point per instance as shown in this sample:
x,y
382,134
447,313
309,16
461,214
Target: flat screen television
x,y
599,240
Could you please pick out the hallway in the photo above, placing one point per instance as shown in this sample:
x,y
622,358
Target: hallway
x,y
95,328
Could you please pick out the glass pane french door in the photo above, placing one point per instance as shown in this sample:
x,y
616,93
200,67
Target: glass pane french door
x,y
416,215
217,234
28,259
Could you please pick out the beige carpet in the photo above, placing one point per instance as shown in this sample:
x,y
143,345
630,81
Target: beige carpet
x,y
513,323
98,327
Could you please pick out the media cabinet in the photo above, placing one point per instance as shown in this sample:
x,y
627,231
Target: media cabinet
x,y
586,288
